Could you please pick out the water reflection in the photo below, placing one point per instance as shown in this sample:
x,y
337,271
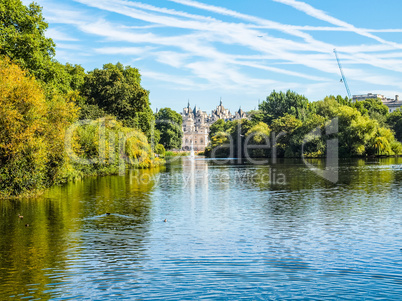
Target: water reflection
x,y
274,231
65,223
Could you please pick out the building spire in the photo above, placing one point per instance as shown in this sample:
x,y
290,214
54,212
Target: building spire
x,y
221,101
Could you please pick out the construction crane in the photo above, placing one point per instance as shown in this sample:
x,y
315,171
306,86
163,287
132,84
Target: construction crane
x,y
343,76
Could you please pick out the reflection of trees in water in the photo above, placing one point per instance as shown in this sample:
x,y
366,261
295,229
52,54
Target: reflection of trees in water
x,y
311,212
316,208
26,252
72,237
285,175
372,177
62,221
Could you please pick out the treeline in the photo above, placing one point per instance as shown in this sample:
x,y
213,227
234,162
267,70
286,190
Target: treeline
x,y
291,126
40,99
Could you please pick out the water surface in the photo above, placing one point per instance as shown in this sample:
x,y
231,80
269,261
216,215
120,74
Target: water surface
x,y
233,231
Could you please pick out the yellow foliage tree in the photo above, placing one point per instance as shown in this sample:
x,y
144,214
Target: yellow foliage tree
x,y
22,124
31,132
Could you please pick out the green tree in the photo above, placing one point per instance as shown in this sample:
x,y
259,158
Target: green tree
x,y
285,126
374,108
22,36
328,107
23,40
256,137
117,91
216,127
302,126
77,75
169,123
219,145
160,150
342,101
278,104
256,116
394,120
355,132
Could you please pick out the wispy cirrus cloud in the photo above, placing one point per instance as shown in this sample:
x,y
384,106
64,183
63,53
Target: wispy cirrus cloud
x,y
321,15
59,35
231,51
199,43
124,50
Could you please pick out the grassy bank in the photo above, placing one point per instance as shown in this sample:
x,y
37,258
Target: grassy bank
x,y
176,154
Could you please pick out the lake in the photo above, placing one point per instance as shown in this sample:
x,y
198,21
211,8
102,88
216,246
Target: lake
x,y
232,231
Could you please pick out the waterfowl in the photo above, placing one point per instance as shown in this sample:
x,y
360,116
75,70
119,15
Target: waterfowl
x,y
20,216
26,225
107,213
165,220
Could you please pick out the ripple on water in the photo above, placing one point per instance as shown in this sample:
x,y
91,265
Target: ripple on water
x,y
226,239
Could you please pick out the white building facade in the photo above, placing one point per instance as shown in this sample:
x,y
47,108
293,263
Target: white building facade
x,y
196,125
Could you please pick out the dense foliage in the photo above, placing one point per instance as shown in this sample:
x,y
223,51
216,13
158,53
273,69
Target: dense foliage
x,y
288,125
31,132
394,120
278,104
22,37
41,100
116,90
169,124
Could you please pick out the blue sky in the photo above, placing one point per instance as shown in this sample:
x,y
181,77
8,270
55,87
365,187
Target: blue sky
x,y
238,50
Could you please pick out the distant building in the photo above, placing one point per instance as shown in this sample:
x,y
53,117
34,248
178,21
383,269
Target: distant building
x,y
195,128
392,104
368,96
196,124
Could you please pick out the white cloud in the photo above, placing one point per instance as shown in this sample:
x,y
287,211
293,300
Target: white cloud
x,y
218,31
321,15
58,35
124,50
180,82
68,46
234,56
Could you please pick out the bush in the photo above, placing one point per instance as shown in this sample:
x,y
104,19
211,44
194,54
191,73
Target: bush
x,y
160,150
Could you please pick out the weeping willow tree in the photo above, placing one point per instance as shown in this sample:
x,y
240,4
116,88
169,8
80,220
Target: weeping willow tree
x,y
103,147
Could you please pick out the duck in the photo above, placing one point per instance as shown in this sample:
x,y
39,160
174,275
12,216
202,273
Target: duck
x,y
20,216
165,220
107,213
